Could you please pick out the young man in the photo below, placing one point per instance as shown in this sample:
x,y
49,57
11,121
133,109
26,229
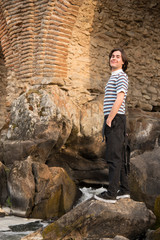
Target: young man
x,y
115,127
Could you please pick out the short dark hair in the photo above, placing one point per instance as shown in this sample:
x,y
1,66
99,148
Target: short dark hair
x,y
124,57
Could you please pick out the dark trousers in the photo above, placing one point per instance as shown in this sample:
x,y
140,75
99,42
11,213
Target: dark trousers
x,y
115,145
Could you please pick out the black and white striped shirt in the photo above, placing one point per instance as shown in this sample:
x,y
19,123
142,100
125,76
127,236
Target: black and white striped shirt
x,y
118,82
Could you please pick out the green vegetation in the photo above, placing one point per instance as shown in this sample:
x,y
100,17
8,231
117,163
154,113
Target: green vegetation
x,y
157,212
8,202
7,170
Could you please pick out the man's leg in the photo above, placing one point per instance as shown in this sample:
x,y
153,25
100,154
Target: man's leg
x,y
124,188
114,150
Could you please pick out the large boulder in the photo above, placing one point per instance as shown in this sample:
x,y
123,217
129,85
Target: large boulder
x,y
21,187
143,129
38,236
55,192
38,191
98,220
91,124
40,121
145,178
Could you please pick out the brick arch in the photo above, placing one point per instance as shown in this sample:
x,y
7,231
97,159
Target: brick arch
x,y
35,36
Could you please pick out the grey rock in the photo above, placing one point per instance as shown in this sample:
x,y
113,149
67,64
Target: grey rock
x,y
21,187
39,122
143,129
145,178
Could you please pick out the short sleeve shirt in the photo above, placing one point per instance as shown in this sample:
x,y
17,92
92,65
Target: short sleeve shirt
x,y
118,82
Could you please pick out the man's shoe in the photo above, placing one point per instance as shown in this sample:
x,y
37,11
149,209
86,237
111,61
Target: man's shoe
x,y
121,195
105,197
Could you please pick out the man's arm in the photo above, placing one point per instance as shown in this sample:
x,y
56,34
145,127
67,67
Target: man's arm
x,y
115,108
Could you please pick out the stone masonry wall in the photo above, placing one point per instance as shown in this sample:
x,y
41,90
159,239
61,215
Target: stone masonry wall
x,y
102,25
67,42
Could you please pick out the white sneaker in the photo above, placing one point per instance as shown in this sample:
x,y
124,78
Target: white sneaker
x,y
121,195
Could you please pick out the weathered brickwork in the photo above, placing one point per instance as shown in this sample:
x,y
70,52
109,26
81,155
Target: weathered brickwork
x,y
67,42
3,85
35,37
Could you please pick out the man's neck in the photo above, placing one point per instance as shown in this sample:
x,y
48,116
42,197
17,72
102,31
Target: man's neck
x,y
116,71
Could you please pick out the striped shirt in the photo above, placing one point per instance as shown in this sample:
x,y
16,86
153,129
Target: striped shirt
x,y
118,82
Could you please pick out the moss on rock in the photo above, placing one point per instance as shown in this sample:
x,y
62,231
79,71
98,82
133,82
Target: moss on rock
x,y
56,231
157,212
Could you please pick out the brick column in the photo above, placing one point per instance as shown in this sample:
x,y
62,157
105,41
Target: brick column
x,y
35,36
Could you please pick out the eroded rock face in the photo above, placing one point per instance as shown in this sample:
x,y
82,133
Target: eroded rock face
x,y
39,122
145,178
11,151
46,125
33,110
98,220
21,187
81,169
55,192
43,122
38,191
143,129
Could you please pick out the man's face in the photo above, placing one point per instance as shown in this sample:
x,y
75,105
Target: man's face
x,y
116,61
